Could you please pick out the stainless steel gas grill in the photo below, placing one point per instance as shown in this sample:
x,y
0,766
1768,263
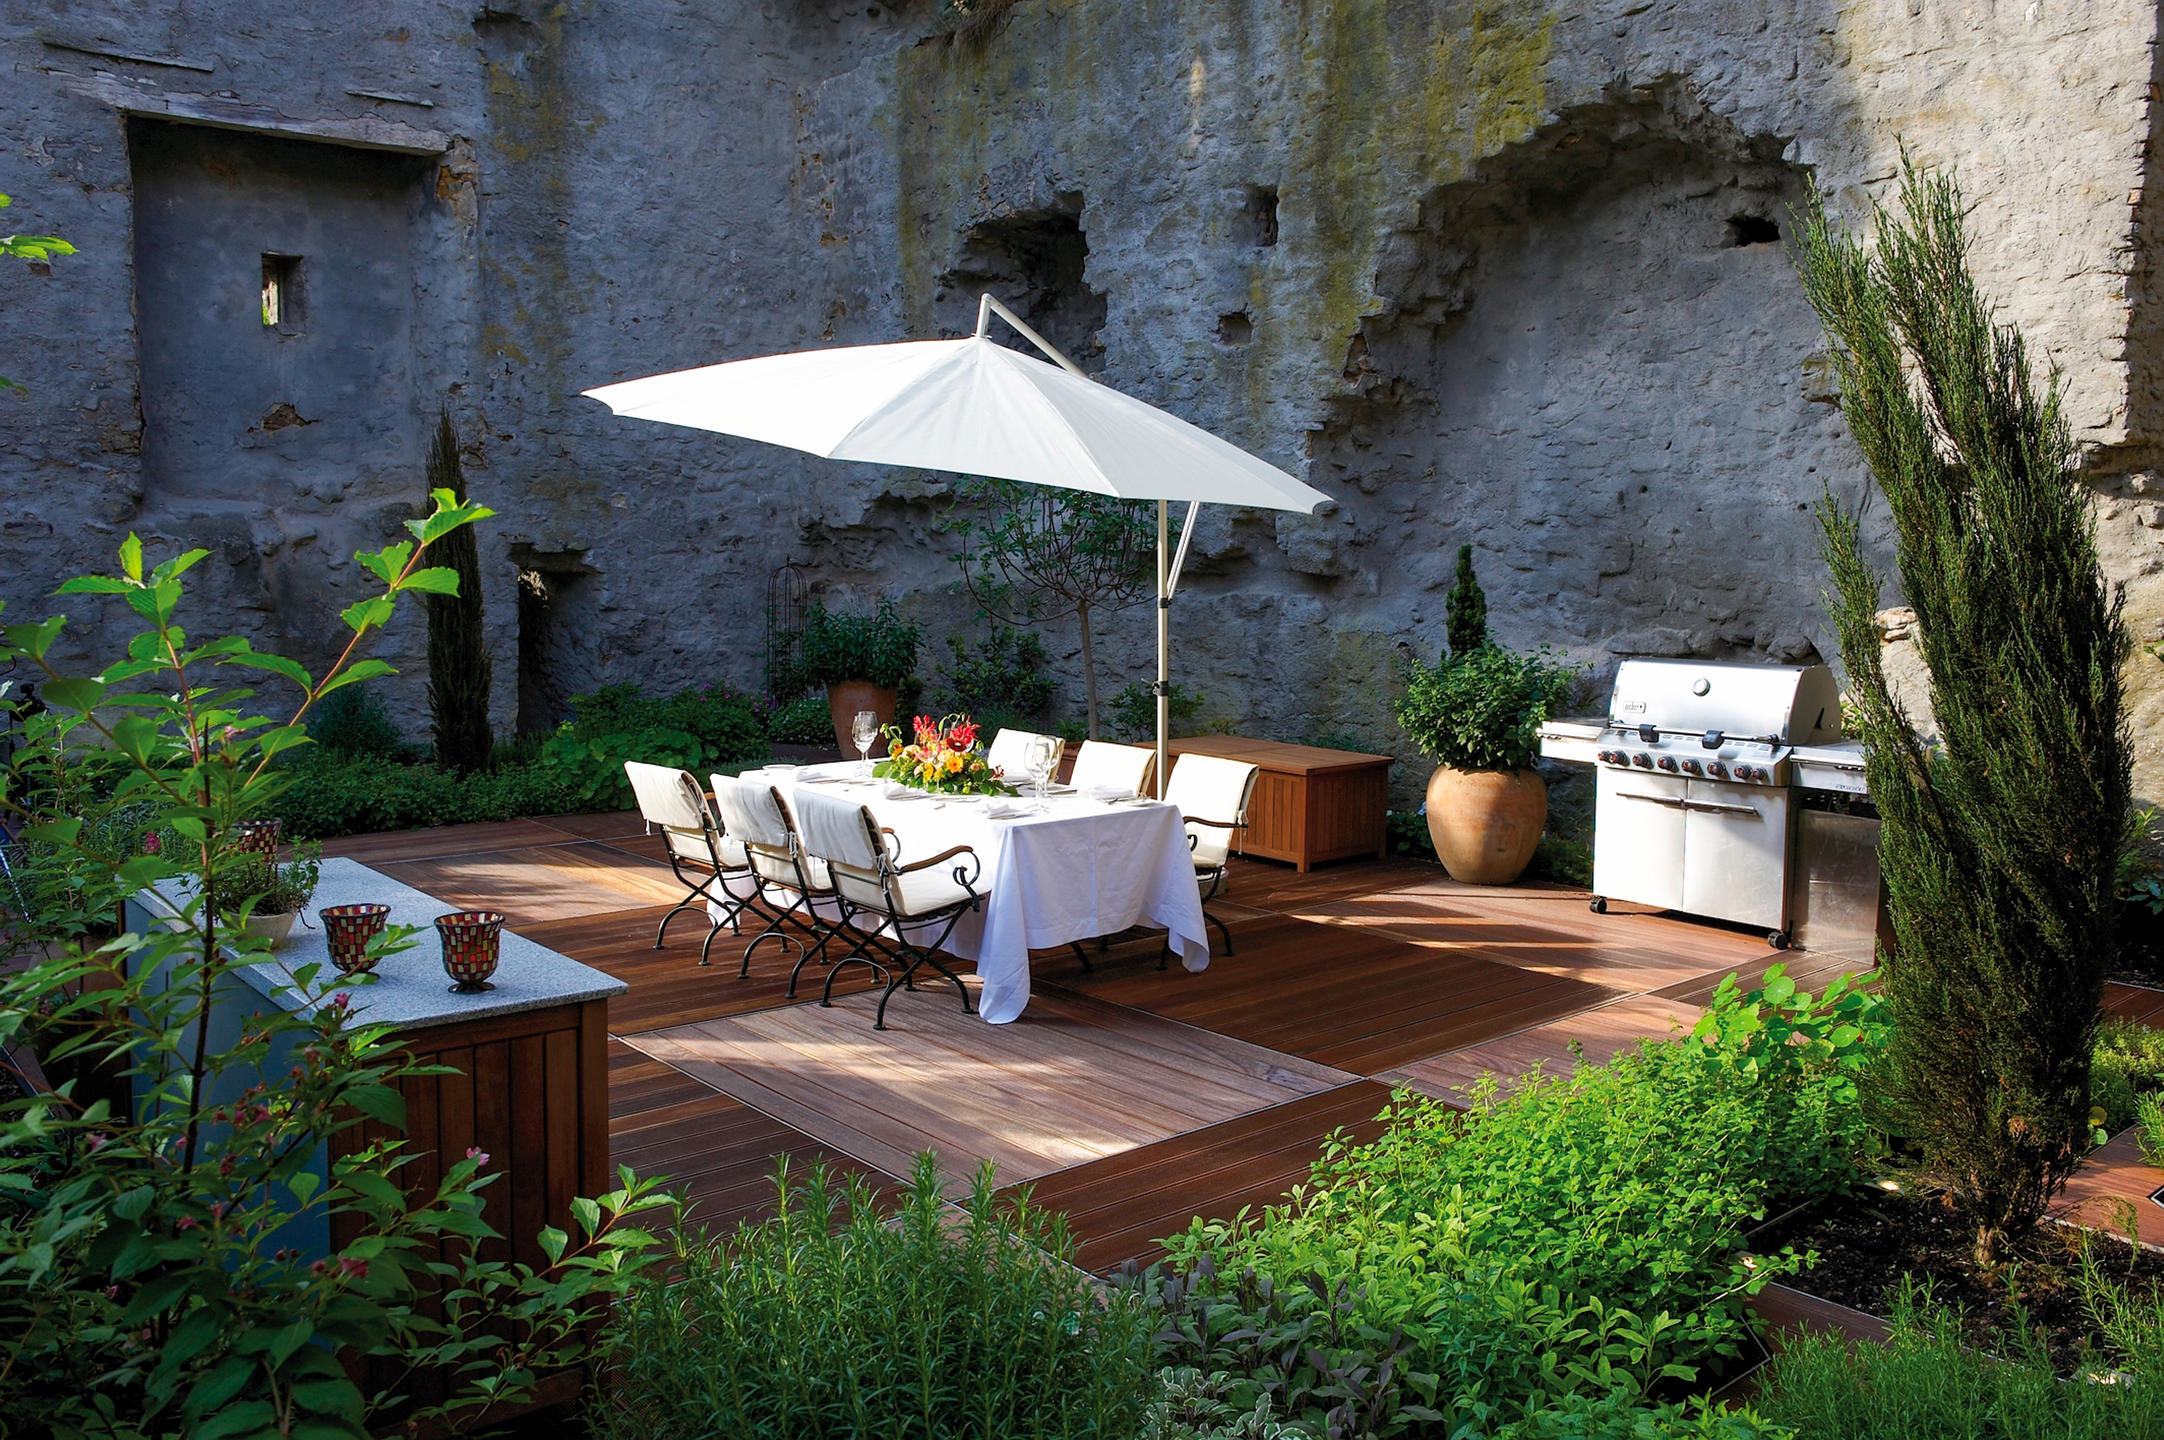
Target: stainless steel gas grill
x,y
1698,765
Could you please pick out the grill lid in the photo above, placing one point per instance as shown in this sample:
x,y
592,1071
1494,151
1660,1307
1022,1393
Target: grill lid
x,y
1779,704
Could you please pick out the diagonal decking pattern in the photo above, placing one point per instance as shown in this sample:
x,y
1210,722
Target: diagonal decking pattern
x,y
1130,1098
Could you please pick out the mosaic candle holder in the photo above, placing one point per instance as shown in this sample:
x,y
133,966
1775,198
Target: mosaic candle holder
x,y
259,837
471,941
349,928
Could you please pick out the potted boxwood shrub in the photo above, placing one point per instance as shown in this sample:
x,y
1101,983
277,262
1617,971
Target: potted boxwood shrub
x,y
1478,711
862,661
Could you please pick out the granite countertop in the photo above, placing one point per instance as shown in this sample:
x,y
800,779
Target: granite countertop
x,y
411,990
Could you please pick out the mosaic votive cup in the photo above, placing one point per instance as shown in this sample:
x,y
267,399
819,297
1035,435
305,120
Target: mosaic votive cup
x,y
471,940
349,928
258,837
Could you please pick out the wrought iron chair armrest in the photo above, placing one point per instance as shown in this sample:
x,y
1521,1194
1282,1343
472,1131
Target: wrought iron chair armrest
x,y
1219,824
929,861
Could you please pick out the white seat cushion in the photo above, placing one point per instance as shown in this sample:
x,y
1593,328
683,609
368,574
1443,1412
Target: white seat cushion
x,y
1103,765
1208,787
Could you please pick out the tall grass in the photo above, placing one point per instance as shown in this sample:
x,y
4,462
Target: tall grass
x,y
835,1319
1924,1385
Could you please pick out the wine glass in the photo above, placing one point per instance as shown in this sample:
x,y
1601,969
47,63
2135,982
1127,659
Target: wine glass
x,y
1042,757
866,730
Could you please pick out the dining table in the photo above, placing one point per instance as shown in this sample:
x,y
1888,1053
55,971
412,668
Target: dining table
x,y
1062,868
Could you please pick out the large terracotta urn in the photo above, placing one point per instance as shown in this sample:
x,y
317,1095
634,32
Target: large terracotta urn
x,y
844,699
1486,823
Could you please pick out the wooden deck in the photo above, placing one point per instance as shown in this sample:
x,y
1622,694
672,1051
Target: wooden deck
x,y
1130,1098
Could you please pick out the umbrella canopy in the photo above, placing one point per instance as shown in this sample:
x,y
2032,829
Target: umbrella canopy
x,y
969,405
976,407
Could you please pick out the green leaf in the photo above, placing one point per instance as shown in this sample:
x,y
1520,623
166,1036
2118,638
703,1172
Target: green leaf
x,y
355,673
95,585
363,614
436,580
179,565
277,664
131,557
34,639
385,564
81,696
450,514
380,1102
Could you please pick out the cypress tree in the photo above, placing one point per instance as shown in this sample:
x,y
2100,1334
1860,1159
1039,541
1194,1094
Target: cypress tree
x,y
1465,608
1998,843
458,664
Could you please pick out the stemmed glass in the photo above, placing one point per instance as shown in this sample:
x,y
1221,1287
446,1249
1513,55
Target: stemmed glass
x,y
866,730
1042,757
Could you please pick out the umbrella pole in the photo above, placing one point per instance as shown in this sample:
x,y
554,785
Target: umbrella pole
x,y
1164,648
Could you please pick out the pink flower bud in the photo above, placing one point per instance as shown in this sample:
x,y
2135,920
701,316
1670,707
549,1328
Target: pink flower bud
x,y
476,1153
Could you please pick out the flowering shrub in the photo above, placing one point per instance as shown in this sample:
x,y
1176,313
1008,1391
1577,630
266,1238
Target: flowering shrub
x,y
943,757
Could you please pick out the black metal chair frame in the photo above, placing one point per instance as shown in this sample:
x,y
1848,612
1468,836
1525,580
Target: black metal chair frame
x,y
702,894
903,957
1212,881
799,904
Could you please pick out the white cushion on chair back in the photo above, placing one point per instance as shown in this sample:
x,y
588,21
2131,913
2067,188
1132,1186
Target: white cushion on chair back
x,y
1208,787
752,816
840,834
1009,751
671,800
1103,765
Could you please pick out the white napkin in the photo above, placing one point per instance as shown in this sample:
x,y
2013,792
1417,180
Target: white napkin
x,y
903,792
823,780
1109,794
1005,809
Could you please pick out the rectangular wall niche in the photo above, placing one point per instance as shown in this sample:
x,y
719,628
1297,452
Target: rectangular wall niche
x,y
274,301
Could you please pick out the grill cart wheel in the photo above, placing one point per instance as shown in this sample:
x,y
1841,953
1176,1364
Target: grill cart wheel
x,y
1598,905
1778,940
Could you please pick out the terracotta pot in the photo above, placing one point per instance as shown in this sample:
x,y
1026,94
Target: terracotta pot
x,y
1486,823
844,700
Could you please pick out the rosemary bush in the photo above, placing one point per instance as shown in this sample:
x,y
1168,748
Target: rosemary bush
x,y
833,1319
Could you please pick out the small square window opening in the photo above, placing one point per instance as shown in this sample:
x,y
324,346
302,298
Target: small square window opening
x,y
282,293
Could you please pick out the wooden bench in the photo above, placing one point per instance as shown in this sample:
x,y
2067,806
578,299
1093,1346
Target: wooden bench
x,y
1310,804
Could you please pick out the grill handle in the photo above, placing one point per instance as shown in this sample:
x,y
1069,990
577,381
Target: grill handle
x,y
1677,802
1673,802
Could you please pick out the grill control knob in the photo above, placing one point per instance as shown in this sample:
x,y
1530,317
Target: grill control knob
x,y
1716,769
1668,763
1643,762
1749,772
1692,767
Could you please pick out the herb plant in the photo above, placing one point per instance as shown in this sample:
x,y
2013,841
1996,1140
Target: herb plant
x,y
880,648
847,1316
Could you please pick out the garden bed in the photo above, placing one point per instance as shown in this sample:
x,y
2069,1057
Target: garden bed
x,y
1868,1242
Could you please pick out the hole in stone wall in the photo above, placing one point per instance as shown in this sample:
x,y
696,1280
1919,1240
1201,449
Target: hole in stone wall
x,y
551,589
282,293
1262,216
1035,262
1235,329
1752,230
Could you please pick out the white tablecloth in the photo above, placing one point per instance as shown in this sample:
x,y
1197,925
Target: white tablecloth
x,y
1081,870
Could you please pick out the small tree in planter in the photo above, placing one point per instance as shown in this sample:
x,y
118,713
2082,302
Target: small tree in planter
x,y
1999,845
1478,711
862,660
458,665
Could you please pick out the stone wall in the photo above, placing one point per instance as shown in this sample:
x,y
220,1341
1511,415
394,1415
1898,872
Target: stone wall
x,y
1507,273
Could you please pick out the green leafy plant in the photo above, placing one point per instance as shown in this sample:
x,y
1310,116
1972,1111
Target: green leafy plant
x,y
353,722
1483,710
1465,608
156,1275
843,1316
275,887
2000,843
695,730
329,795
1006,673
1570,1237
805,720
459,672
2149,1114
1134,711
1033,554
880,648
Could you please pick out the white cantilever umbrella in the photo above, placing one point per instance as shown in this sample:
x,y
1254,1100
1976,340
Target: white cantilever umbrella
x,y
976,407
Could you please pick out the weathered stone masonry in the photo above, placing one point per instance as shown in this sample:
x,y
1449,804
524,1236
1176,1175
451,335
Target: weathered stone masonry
x,y
1507,273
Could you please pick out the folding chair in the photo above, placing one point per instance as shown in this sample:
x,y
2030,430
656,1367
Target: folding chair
x,y
1103,765
1204,788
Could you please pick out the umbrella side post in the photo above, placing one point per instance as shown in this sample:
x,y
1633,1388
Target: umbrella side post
x,y
1164,646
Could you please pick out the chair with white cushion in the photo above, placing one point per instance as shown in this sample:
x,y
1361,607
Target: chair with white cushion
x,y
1009,753
902,911
789,881
704,858
1211,795
1103,765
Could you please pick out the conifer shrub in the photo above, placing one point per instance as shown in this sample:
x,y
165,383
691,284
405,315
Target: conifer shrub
x,y
1999,843
1465,608
459,672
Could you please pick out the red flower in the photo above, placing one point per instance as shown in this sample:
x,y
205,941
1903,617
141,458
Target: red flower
x,y
151,842
965,735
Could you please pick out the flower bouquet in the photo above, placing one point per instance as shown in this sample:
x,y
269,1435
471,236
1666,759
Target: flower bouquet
x,y
943,758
